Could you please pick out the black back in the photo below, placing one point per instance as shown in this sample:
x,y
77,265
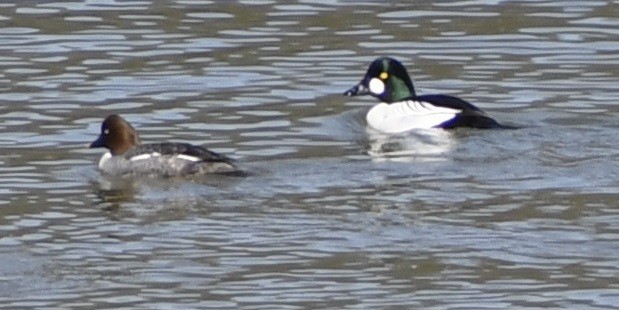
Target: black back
x,y
169,148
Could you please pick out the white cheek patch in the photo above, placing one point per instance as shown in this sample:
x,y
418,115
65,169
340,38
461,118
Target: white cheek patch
x,y
188,157
376,86
144,156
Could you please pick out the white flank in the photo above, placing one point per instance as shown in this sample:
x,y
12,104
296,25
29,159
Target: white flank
x,y
144,156
188,157
104,159
376,86
403,116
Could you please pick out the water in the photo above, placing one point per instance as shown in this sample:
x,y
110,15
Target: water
x,y
333,216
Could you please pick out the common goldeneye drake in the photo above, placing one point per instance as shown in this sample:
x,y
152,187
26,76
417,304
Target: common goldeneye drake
x,y
402,110
127,156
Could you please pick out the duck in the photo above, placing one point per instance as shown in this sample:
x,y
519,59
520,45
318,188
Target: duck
x,y
128,156
402,110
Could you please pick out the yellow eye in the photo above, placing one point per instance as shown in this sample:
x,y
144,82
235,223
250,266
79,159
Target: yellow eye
x,y
384,76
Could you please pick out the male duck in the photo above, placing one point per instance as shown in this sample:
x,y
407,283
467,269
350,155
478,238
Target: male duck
x,y
127,156
402,110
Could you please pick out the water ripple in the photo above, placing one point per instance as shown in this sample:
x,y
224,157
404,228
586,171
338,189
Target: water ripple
x,y
332,214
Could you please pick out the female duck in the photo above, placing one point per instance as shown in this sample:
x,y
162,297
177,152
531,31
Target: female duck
x,y
402,110
127,156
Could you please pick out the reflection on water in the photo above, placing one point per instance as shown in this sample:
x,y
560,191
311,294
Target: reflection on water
x,y
417,146
333,214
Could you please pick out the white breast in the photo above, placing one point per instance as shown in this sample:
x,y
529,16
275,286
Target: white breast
x,y
408,115
104,159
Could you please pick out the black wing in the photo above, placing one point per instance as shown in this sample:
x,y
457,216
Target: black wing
x,y
179,148
471,116
451,102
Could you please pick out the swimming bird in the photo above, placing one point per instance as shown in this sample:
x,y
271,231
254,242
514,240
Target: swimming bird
x,y
127,156
402,110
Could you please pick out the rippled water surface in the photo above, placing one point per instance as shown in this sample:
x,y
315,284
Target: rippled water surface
x,y
333,215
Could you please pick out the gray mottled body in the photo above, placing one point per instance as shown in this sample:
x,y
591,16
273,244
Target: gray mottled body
x,y
166,159
127,156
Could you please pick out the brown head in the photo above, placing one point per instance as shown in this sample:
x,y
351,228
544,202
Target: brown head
x,y
117,135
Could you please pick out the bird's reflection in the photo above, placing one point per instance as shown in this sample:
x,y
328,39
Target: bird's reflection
x,y
156,199
418,145
114,191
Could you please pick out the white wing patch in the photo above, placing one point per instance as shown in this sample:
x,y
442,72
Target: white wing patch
x,y
144,156
407,115
188,157
149,155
